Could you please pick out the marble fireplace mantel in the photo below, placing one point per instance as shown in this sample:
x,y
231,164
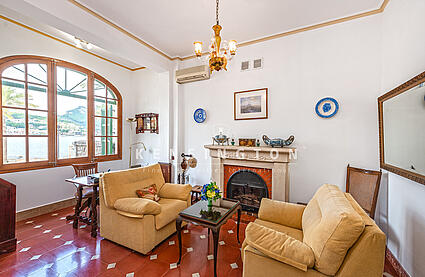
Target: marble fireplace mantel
x,y
276,159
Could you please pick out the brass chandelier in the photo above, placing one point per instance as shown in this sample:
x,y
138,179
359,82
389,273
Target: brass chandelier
x,y
219,52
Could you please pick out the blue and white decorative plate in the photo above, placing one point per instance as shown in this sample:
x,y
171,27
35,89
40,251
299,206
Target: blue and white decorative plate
x,y
199,115
327,107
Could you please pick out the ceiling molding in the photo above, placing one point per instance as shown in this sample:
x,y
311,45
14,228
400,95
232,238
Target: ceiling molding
x,y
67,43
246,43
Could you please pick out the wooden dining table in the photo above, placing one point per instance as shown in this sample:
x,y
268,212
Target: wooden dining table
x,y
81,183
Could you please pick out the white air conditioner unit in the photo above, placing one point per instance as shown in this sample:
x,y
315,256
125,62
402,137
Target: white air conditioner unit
x,y
192,74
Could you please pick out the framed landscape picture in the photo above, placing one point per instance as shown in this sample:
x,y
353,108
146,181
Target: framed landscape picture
x,y
251,104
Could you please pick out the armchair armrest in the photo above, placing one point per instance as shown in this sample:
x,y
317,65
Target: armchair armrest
x,y
282,213
137,206
175,191
279,246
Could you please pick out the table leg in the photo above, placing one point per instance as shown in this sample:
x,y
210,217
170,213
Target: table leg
x,y
239,223
179,235
77,207
216,235
94,212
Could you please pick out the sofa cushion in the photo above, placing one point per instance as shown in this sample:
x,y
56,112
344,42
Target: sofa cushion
x,y
123,184
279,246
140,206
175,191
170,208
330,227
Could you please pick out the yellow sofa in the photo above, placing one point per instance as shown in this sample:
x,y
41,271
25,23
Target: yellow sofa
x,y
139,224
331,236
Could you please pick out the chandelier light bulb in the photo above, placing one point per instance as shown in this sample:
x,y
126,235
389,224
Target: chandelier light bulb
x,y
232,47
78,44
198,48
89,46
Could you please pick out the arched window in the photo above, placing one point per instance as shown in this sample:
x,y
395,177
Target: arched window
x,y
56,113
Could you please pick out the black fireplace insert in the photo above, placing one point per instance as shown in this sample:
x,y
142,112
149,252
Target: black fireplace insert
x,y
248,188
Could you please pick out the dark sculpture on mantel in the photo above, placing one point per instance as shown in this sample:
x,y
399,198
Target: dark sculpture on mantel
x,y
278,142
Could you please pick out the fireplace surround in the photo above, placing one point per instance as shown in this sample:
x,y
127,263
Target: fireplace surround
x,y
259,159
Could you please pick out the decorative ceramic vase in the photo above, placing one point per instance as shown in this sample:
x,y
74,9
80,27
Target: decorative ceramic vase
x,y
209,204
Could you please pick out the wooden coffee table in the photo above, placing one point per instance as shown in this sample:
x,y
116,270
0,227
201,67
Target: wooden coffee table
x,y
212,219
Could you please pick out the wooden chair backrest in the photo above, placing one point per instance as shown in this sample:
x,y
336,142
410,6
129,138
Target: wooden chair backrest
x,y
84,169
363,185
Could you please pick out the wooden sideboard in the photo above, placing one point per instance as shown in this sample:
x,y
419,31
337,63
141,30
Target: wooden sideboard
x,y
7,216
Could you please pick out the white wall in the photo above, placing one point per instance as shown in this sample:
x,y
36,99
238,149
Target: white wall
x,y
341,61
40,187
403,57
155,99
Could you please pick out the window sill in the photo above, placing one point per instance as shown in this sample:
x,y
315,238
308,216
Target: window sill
x,y
11,168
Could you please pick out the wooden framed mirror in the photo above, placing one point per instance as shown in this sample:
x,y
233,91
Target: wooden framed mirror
x,y
402,129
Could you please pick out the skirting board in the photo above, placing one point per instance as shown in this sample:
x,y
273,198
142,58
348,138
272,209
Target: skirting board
x,y
395,264
45,209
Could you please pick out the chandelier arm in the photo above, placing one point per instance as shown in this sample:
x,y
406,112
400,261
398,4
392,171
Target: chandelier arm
x,y
216,13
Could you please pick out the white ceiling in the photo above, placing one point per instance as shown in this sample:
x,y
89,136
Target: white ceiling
x,y
172,26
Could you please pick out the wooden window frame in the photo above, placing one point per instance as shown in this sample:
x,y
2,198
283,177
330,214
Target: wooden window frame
x,y
53,160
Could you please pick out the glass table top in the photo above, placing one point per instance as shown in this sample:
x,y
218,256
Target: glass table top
x,y
220,209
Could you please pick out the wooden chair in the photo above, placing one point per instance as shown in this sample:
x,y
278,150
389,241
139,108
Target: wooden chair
x,y
82,170
363,185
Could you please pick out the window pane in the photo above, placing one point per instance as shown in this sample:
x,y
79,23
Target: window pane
x,y
112,146
13,122
37,73
16,71
112,108
13,93
99,88
112,127
13,150
71,113
100,146
100,126
37,123
37,97
99,106
38,149
71,82
111,94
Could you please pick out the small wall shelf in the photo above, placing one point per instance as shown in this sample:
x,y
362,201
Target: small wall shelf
x,y
147,122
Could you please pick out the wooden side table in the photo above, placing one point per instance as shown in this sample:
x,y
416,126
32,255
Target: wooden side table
x,y
196,194
212,218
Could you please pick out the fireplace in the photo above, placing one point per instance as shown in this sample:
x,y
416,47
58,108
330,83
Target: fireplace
x,y
271,164
248,187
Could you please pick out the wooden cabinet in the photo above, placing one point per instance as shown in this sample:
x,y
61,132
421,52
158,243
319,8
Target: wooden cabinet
x,y
147,122
7,216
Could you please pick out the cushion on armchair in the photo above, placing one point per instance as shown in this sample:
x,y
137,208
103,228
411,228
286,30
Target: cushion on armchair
x,y
279,246
150,192
138,206
330,227
175,191
283,213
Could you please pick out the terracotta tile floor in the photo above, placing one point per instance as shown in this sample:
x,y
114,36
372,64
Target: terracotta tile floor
x,y
49,246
